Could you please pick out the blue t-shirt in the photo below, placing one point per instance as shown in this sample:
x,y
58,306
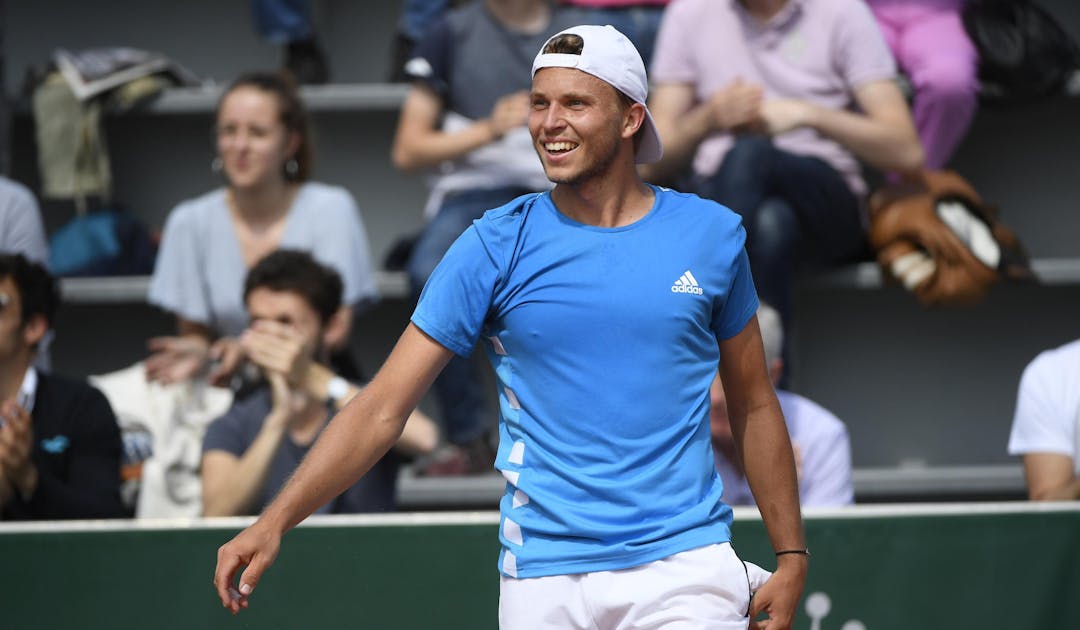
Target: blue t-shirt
x,y
604,343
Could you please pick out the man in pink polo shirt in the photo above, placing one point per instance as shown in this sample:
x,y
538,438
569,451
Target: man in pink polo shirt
x,y
774,103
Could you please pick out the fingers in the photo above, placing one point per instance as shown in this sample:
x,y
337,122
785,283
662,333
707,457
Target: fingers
x,y
155,344
227,564
231,354
272,352
510,111
14,412
249,579
756,606
265,352
174,359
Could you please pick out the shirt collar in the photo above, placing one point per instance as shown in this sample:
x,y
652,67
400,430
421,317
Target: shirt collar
x,y
782,17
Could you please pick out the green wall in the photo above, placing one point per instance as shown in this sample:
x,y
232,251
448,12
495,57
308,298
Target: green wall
x,y
966,567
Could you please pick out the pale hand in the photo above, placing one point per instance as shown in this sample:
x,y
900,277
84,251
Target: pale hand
x,y
17,470
509,112
288,403
227,353
735,108
782,114
176,359
276,347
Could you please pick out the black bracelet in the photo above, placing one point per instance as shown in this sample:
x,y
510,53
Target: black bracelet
x,y
803,552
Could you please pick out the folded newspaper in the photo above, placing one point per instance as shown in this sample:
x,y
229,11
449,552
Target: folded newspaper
x,y
95,70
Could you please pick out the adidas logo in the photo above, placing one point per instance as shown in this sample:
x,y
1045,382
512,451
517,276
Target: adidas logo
x,y
686,283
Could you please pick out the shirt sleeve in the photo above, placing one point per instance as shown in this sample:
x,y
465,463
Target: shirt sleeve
x,y
741,301
458,295
673,60
228,433
1040,425
177,284
430,59
863,55
23,231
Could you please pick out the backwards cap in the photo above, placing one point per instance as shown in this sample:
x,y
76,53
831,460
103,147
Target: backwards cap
x,y
609,56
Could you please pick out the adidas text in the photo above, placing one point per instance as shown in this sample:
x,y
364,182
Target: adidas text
x,y
682,288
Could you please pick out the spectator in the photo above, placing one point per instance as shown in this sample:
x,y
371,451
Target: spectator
x,y
819,439
59,441
417,16
934,52
22,231
268,202
288,23
778,141
21,228
470,124
250,451
637,19
1046,426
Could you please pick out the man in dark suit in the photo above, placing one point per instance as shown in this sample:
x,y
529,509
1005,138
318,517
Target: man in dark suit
x,y
59,442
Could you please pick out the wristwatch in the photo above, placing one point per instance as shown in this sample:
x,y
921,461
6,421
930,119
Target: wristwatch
x,y
336,389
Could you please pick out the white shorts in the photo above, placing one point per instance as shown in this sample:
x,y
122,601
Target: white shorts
x,y
700,588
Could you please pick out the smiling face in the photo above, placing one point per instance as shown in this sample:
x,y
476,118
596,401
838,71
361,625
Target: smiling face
x,y
252,139
579,125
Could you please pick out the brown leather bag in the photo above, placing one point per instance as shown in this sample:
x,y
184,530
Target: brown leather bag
x,y
938,238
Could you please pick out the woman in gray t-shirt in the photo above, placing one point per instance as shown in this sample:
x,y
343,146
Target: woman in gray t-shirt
x,y
209,243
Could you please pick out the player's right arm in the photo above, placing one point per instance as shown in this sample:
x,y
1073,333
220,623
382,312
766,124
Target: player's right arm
x,y
355,439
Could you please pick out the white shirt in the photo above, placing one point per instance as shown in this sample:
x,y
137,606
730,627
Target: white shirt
x,y
1047,418
825,449
28,390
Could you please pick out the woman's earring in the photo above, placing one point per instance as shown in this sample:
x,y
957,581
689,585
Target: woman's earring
x,y
216,165
292,167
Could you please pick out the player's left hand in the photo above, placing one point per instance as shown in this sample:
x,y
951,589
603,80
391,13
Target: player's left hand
x,y
779,596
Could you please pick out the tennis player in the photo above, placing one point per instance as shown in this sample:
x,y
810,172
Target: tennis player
x,y
606,307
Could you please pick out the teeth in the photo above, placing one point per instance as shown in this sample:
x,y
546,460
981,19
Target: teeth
x,y
559,146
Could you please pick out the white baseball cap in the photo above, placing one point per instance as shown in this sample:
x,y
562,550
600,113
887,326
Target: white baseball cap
x,y
609,56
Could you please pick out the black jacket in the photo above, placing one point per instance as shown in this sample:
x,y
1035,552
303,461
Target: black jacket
x,y
77,452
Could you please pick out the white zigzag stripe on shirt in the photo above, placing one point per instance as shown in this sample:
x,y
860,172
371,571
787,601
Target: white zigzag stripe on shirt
x,y
687,283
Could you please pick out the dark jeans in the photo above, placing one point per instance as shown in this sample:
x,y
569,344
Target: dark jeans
x,y
458,389
795,209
